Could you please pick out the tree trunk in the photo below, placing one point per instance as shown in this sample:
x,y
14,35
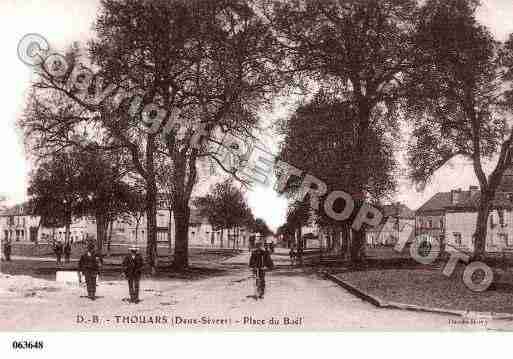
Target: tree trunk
x,y
67,231
345,239
221,238
151,204
100,231
181,216
299,241
357,243
151,225
481,226
169,233
109,238
137,224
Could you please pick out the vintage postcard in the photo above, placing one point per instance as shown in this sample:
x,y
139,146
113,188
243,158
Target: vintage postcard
x,y
256,165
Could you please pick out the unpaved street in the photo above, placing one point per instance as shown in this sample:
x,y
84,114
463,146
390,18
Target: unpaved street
x,y
295,299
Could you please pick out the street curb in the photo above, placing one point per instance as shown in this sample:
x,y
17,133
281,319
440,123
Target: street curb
x,y
380,303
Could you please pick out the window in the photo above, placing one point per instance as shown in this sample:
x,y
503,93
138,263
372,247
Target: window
x,y
501,217
33,234
430,223
457,238
503,239
508,241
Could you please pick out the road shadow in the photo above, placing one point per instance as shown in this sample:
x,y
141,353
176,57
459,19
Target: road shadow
x,y
191,273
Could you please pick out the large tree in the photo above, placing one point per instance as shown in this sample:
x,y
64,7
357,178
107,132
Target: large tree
x,y
160,63
457,100
320,139
54,193
225,207
362,47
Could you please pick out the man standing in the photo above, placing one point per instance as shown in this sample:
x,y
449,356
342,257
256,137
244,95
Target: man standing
x,y
88,265
7,250
259,260
67,251
58,251
132,266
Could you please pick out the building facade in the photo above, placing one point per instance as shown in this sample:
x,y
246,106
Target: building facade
x,y
452,216
19,226
398,224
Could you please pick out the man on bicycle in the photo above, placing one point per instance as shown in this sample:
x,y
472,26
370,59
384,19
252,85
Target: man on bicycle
x,y
259,260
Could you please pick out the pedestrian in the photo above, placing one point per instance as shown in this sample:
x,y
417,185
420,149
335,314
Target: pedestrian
x,y
292,255
7,250
259,260
58,251
89,266
67,251
132,267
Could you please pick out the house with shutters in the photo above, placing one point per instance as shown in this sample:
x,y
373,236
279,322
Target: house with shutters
x,y
451,217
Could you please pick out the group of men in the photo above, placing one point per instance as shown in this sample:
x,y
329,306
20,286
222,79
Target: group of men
x,y
89,268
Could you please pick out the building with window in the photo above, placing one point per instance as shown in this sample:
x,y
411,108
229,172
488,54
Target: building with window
x,y
452,216
17,224
398,223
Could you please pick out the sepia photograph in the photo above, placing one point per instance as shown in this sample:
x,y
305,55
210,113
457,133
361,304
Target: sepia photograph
x,y
256,166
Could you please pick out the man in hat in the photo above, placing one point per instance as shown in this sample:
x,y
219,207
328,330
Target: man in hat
x,y
89,266
58,251
259,260
67,251
7,250
132,267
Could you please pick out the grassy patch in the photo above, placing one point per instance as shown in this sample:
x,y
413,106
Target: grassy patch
x,y
430,288
112,265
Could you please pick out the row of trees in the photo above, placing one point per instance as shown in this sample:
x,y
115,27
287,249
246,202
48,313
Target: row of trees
x,y
218,63
430,66
226,208
83,184
213,63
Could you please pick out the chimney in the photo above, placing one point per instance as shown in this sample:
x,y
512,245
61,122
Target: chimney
x,y
455,196
473,190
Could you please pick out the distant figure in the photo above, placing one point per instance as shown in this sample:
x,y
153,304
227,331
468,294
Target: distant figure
x,y
132,266
58,251
271,247
89,266
67,251
292,255
259,260
7,250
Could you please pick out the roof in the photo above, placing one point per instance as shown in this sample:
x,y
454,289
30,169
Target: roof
x,y
17,210
436,203
466,200
397,210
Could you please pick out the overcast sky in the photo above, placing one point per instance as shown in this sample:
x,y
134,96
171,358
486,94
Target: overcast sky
x,y
63,21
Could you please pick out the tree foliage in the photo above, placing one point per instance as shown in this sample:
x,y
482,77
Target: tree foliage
x,y
457,102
